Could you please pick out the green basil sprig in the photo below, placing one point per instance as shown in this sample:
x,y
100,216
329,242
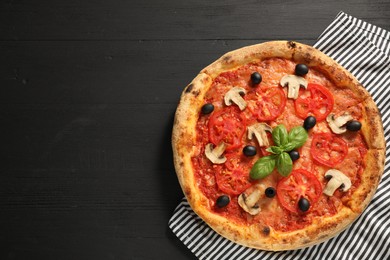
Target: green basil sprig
x,y
284,142
263,167
284,164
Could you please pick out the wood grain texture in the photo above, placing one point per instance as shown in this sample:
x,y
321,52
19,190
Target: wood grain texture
x,y
173,19
87,97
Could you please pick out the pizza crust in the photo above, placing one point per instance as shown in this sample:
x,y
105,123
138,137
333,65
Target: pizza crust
x,y
260,237
372,127
236,58
184,134
370,179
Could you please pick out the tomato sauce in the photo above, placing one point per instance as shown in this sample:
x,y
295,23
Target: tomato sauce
x,y
215,180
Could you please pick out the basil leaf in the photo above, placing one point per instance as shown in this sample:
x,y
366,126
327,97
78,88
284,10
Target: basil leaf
x,y
297,136
284,164
280,135
275,149
288,147
263,167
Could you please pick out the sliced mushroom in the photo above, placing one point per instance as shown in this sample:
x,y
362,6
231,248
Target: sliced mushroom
x,y
215,155
234,96
259,131
293,82
249,203
338,125
337,180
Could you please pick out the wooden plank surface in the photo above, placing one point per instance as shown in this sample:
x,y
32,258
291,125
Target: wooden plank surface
x,y
173,19
87,97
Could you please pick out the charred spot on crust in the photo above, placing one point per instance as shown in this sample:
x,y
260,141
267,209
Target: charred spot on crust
x,y
187,192
307,58
291,44
306,241
196,93
227,58
189,88
322,236
266,231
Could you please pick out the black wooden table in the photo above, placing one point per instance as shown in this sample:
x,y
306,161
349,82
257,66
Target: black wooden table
x,y
88,90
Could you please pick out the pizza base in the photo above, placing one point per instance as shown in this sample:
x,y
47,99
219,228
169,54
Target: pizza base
x,y
255,236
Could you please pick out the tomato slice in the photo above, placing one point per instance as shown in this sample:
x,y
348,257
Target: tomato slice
x,y
328,149
300,183
227,125
318,102
233,177
266,103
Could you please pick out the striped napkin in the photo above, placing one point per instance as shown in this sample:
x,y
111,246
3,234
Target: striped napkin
x,y
363,49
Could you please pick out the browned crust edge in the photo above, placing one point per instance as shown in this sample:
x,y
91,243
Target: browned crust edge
x,y
253,53
184,144
370,179
372,127
184,136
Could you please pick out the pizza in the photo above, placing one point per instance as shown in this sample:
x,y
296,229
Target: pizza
x,y
277,147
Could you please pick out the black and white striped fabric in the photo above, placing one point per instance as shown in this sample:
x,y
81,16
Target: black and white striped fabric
x,y
363,49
